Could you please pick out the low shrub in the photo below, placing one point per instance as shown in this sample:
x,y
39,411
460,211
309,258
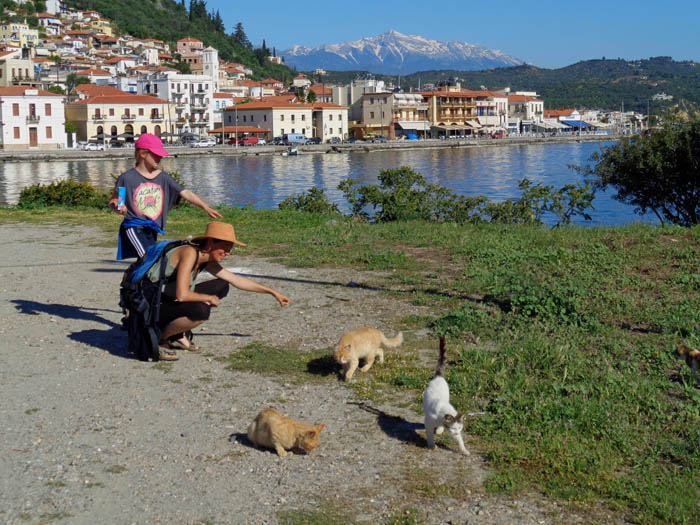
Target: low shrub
x,y
63,193
314,201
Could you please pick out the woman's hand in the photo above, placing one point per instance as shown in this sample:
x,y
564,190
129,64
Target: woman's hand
x,y
212,213
213,300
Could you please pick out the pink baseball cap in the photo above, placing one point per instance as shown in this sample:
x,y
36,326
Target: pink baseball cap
x,y
151,143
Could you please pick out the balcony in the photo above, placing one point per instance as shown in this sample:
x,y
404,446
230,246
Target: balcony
x,y
157,118
128,118
33,119
97,116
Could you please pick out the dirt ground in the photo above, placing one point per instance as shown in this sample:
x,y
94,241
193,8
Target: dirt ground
x,y
90,434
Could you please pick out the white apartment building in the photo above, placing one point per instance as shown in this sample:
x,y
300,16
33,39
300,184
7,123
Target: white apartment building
x,y
193,96
330,121
32,118
278,117
320,119
351,95
492,111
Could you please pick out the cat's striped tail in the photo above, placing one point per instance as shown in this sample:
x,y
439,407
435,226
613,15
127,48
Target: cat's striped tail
x,y
440,368
392,343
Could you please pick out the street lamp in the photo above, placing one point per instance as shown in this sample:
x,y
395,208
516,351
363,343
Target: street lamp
x,y
235,127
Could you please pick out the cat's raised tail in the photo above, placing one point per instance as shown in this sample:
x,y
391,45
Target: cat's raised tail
x,y
392,343
440,368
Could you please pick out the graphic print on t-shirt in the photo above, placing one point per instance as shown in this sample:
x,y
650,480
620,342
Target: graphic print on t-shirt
x,y
148,200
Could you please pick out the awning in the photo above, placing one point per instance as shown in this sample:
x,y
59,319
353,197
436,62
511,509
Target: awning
x,y
452,127
551,125
577,123
420,125
473,124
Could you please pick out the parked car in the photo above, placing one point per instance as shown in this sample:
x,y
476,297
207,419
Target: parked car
x,y
80,145
261,141
203,143
94,146
315,140
233,141
334,140
497,135
277,141
380,139
353,140
250,141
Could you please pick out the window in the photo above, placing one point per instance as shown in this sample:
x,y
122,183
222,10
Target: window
x,y
282,118
229,118
244,117
371,114
141,112
264,118
282,131
32,110
292,120
47,110
48,132
15,111
303,117
330,117
144,130
340,117
111,112
16,133
293,130
252,118
155,88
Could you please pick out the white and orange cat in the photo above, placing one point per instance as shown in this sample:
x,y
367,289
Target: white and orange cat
x,y
270,429
364,344
439,413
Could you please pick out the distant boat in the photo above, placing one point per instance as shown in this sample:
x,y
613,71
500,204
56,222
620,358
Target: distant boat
x,y
290,151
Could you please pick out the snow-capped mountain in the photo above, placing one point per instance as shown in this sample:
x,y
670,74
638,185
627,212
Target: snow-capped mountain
x,y
393,53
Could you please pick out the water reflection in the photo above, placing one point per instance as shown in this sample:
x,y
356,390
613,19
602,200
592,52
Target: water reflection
x,y
263,181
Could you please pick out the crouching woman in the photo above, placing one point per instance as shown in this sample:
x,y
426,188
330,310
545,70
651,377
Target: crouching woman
x,y
185,306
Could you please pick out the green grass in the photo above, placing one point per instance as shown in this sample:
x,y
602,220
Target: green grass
x,y
564,338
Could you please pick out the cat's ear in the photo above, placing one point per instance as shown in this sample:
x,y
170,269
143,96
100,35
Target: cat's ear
x,y
459,418
320,427
311,434
449,420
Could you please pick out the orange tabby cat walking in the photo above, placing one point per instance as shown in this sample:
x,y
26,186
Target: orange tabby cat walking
x,y
364,343
271,429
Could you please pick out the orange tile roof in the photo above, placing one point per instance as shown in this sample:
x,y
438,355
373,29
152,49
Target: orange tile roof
x,y
522,98
93,90
551,113
122,99
262,104
321,90
190,39
19,91
223,95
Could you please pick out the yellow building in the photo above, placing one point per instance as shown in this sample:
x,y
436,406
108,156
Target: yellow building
x,y
16,65
452,112
18,35
100,25
120,118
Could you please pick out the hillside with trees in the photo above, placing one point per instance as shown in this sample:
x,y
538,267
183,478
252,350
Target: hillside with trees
x,y
170,20
602,83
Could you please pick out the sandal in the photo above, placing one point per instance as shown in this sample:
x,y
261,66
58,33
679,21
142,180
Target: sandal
x,y
179,346
165,354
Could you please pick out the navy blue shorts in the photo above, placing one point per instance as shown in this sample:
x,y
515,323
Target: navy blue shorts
x,y
135,241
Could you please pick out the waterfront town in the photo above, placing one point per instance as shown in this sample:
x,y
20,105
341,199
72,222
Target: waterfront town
x,y
133,89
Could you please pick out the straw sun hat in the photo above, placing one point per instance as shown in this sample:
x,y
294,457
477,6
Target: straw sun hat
x,y
219,231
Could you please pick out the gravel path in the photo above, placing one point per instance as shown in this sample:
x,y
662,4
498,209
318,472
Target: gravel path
x,y
89,434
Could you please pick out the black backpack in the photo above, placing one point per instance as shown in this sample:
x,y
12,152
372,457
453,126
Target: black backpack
x,y
141,298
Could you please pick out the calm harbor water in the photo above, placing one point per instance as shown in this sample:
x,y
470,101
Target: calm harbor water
x,y
263,181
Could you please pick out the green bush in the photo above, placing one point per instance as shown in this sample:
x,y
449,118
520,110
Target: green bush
x,y
63,193
404,194
314,201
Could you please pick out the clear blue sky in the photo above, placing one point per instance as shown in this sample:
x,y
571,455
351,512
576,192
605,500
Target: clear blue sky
x,y
545,33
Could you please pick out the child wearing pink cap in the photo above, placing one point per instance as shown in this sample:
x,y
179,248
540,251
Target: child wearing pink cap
x,y
150,193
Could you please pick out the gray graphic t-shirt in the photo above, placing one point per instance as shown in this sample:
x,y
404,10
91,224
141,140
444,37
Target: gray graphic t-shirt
x,y
149,198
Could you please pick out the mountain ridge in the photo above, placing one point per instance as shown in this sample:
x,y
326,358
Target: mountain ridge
x,y
395,53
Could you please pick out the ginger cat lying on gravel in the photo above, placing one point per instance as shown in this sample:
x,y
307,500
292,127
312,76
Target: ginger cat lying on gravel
x,y
364,343
271,429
